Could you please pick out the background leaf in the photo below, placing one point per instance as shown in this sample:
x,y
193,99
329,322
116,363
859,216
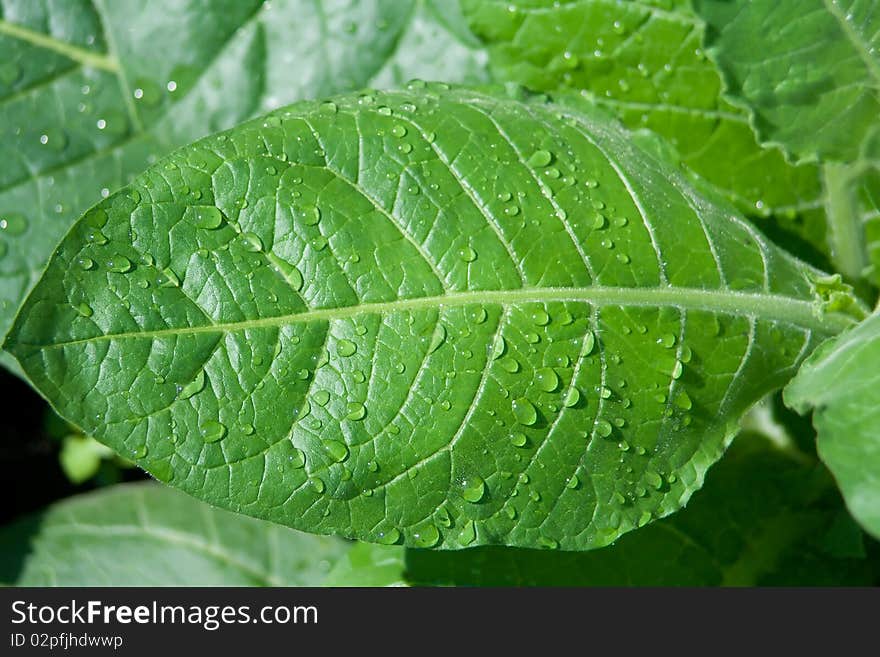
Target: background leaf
x,y
808,69
338,317
841,382
644,61
764,517
92,92
150,535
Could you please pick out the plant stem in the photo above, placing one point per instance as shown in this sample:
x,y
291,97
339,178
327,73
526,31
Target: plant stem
x,y
846,234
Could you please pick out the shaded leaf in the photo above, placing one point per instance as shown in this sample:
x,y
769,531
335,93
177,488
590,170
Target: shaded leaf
x,y
841,383
149,535
808,69
339,318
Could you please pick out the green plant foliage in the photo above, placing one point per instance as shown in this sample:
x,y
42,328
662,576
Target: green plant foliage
x,y
644,61
764,517
841,382
808,69
339,318
87,103
150,535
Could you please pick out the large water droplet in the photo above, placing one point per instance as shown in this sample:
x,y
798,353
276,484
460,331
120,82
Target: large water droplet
x,y
337,450
346,348
204,216
193,387
13,224
212,431
547,379
540,158
524,411
119,264
356,411
473,489
426,536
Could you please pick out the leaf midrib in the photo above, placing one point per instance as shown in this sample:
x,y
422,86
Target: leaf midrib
x,y
771,307
74,53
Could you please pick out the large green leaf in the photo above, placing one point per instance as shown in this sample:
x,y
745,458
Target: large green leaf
x,y
841,381
92,92
149,535
763,518
644,61
433,316
809,69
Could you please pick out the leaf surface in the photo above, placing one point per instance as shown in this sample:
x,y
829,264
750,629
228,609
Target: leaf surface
x,y
437,316
91,93
150,535
644,61
808,69
764,517
841,383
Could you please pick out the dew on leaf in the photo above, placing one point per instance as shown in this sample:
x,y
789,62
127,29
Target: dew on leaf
x,y
388,537
13,224
212,431
540,158
603,428
321,397
204,216
524,411
345,347
547,379
356,411
473,489
426,536
518,439
119,264
437,338
252,242
572,397
337,450
193,387
85,310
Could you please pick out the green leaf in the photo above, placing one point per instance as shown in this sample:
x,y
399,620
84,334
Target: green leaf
x,y
841,382
149,535
369,565
434,316
764,517
644,61
808,69
86,103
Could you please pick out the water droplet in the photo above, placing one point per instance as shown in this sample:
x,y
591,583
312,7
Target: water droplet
x,y
345,348
140,451
337,450
119,264
309,214
510,365
168,279
518,439
540,158
204,216
547,379
252,242
473,489
212,431
85,263
388,537
540,318
644,518
677,369
317,484
548,543
398,130
193,387
356,411
683,401
437,338
427,536
667,340
524,411
654,479
85,310
14,224
467,254
321,397
573,482
603,428
532,338
498,347
572,397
